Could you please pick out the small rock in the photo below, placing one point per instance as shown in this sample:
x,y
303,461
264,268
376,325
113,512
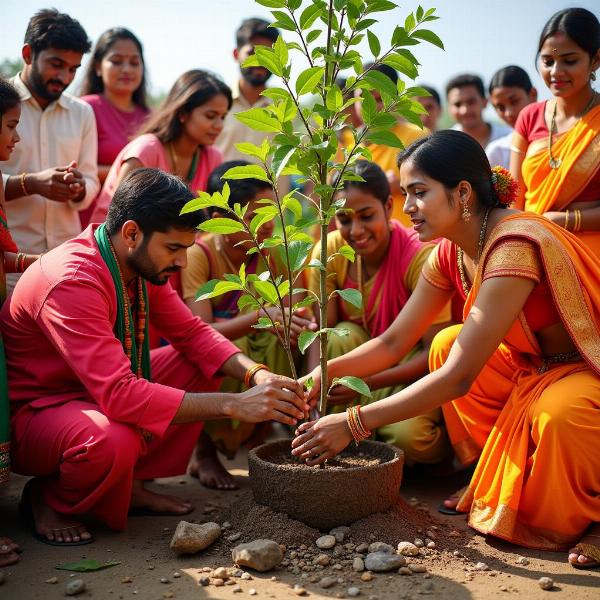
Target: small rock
x,y
362,548
413,502
454,534
252,592
168,595
503,588
230,582
481,566
52,580
340,533
176,575
74,587
204,581
380,547
234,537
430,534
408,549
190,538
327,582
165,580
323,559
382,561
220,573
353,592
274,578
260,555
337,567
417,568
246,576
237,589
373,597
226,525
522,561
325,542
367,576
419,543
405,571
431,545
218,582
546,583
457,554
150,568
358,564
299,590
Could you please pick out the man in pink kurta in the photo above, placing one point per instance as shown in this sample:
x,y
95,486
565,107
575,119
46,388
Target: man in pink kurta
x,y
82,420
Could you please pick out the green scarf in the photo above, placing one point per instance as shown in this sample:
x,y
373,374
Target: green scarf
x,y
106,253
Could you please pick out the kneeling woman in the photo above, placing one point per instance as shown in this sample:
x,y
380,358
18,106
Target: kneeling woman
x,y
523,373
389,260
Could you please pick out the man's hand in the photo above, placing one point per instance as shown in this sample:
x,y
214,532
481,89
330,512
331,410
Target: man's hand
x,y
273,398
60,184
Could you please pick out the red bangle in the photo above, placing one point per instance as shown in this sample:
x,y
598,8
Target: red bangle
x,y
252,371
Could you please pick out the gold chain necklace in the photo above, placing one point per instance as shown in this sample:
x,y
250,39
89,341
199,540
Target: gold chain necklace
x,y
459,254
555,163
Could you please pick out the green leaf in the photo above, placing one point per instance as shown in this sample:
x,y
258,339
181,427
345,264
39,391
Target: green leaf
x,y
284,21
374,44
247,301
305,302
294,4
281,158
417,90
354,383
267,59
380,6
428,36
309,384
250,149
281,51
224,226
204,200
313,35
402,64
339,331
276,94
315,263
383,120
298,252
352,296
246,172
251,61
309,15
419,13
368,106
347,252
409,23
334,98
381,82
259,119
260,219
271,3
216,287
305,339
263,323
267,291
385,138
307,80
87,564
365,24
292,204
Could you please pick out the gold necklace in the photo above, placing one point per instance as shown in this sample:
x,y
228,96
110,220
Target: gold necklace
x,y
555,163
459,254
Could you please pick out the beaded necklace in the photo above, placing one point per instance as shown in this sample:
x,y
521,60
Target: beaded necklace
x,y
459,254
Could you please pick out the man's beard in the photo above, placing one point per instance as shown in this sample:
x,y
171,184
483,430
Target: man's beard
x,y
140,262
255,77
40,87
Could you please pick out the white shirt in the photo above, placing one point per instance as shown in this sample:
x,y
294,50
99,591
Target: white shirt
x,y
496,131
498,151
63,132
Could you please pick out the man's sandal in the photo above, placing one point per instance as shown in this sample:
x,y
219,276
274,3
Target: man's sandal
x,y
591,551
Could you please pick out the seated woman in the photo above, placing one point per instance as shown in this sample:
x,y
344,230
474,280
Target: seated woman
x,y
523,371
177,138
389,259
212,257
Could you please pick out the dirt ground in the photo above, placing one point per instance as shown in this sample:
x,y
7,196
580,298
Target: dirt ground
x,y
145,558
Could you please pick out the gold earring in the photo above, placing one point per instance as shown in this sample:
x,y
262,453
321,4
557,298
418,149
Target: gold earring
x,y
466,213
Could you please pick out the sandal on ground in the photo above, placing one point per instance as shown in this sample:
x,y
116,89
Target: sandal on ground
x,y
26,510
590,551
445,510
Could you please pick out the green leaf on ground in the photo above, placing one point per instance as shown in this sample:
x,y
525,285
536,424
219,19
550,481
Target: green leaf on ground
x,y
87,564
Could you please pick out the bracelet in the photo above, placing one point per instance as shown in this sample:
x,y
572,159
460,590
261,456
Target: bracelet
x,y
23,187
577,225
357,429
567,220
252,371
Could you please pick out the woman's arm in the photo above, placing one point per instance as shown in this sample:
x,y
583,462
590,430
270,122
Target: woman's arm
x,y
589,218
498,304
25,260
518,148
103,172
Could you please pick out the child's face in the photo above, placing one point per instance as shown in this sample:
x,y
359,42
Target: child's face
x,y
510,101
465,105
8,134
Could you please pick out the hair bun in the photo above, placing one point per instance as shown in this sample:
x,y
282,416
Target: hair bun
x,y
504,185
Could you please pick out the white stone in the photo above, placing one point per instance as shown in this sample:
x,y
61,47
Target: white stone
x,y
408,549
325,542
190,538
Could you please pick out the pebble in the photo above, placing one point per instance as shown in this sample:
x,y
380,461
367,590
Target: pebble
x,y
237,589
165,580
168,595
237,573
246,576
503,588
261,555
367,576
408,549
405,571
204,581
274,578
226,525
546,583
457,554
190,538
234,537
353,592
230,582
327,582
74,587
454,534
413,502
252,592
218,582
418,568
299,590
358,565
362,548
52,580
382,561
323,559
431,545
220,573
522,561
481,566
380,547
419,543
176,575
325,542
430,534
340,533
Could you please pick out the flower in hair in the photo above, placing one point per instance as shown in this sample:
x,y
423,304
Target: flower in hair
x,y
504,185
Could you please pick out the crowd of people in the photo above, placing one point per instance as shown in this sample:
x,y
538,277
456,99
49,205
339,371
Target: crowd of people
x,y
479,332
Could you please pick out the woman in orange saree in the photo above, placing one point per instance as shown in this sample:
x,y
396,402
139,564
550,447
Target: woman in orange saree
x,y
556,145
523,373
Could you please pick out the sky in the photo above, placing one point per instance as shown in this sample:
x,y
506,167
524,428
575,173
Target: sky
x,y
480,36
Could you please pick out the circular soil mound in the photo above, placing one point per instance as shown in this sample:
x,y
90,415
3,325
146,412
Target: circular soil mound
x,y
359,482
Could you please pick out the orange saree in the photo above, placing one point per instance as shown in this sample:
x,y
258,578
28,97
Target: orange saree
x,y
548,189
536,425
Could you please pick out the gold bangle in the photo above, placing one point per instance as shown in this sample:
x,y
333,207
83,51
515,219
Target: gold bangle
x,y
577,220
23,187
567,220
252,371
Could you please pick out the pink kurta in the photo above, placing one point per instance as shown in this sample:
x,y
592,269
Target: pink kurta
x,y
78,410
151,153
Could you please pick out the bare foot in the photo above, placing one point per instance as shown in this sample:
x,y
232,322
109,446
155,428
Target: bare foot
x,y
452,501
52,525
579,555
158,503
206,466
8,552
